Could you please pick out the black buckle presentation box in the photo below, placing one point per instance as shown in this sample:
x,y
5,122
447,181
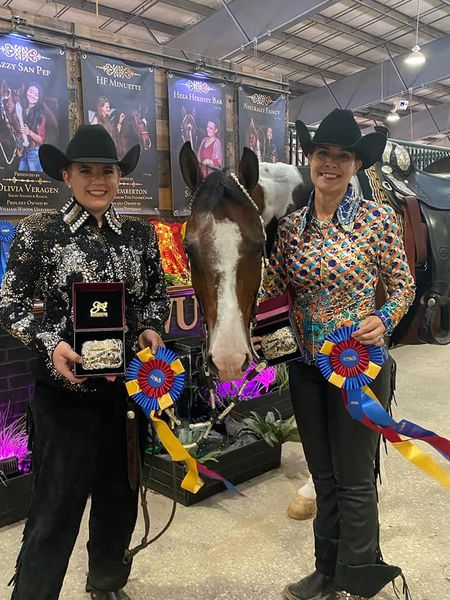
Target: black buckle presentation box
x,y
273,315
98,314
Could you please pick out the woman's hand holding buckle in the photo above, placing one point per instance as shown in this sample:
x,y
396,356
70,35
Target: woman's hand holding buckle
x,y
63,359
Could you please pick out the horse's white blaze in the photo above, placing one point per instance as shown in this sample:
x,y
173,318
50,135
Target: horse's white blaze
x,y
278,180
229,346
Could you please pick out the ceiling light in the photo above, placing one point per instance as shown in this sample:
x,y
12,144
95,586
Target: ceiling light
x,y
416,57
393,116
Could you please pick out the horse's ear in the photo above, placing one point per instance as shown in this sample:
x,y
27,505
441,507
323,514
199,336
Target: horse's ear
x,y
248,170
190,169
183,111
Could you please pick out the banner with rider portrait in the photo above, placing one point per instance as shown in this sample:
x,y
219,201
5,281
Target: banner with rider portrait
x,y
196,115
120,95
33,111
262,123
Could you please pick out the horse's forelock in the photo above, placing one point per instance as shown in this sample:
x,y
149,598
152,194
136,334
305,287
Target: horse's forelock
x,y
214,188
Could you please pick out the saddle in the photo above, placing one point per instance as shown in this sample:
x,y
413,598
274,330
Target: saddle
x,y
424,201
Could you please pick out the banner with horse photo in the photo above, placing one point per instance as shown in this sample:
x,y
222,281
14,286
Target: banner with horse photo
x,y
33,111
120,95
196,115
262,123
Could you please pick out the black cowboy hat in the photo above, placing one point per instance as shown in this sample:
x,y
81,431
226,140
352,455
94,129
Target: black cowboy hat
x,y
90,144
339,128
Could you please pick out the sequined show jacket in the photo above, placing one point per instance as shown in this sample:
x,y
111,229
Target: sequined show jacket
x,y
53,250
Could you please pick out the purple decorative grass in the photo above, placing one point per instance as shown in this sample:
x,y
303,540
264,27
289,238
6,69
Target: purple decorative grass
x,y
14,440
252,389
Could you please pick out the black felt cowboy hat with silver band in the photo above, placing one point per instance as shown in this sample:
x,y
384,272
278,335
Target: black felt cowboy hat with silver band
x,y
90,144
340,129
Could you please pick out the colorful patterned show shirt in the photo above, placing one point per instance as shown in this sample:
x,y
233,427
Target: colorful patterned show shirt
x,y
333,269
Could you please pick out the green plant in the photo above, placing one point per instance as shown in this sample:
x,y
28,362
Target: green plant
x,y
282,380
171,279
191,439
272,430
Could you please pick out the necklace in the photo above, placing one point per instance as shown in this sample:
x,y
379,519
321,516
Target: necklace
x,y
321,224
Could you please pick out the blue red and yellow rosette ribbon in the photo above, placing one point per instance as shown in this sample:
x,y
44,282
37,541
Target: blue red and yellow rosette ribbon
x,y
155,382
351,366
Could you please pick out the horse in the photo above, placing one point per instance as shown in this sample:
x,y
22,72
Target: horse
x,y
189,127
134,130
11,140
254,139
225,245
141,129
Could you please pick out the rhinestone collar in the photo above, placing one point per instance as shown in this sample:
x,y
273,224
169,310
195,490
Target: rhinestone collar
x,y
74,215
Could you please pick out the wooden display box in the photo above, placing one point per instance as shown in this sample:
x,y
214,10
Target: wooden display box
x,y
273,401
236,465
15,498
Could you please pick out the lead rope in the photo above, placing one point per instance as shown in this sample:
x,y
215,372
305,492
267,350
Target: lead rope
x,y
145,542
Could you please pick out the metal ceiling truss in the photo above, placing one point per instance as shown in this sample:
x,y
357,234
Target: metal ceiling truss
x,y
379,82
425,123
123,16
400,17
244,21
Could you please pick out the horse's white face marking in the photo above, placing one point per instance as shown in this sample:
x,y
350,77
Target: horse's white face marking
x,y
278,180
228,345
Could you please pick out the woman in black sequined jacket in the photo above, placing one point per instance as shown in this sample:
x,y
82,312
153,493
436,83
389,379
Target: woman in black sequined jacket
x,y
80,443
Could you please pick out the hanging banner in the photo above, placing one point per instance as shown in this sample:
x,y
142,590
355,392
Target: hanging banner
x,y
120,95
33,111
196,115
262,123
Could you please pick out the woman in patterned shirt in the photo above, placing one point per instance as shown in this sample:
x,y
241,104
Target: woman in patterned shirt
x,y
331,254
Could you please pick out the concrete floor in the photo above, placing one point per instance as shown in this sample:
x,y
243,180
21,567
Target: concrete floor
x,y
246,548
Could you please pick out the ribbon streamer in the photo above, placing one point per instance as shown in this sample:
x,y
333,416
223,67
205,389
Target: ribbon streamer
x,y
7,233
351,366
213,475
155,381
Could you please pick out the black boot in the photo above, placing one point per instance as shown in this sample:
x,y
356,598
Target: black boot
x,y
99,595
343,596
119,595
312,587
